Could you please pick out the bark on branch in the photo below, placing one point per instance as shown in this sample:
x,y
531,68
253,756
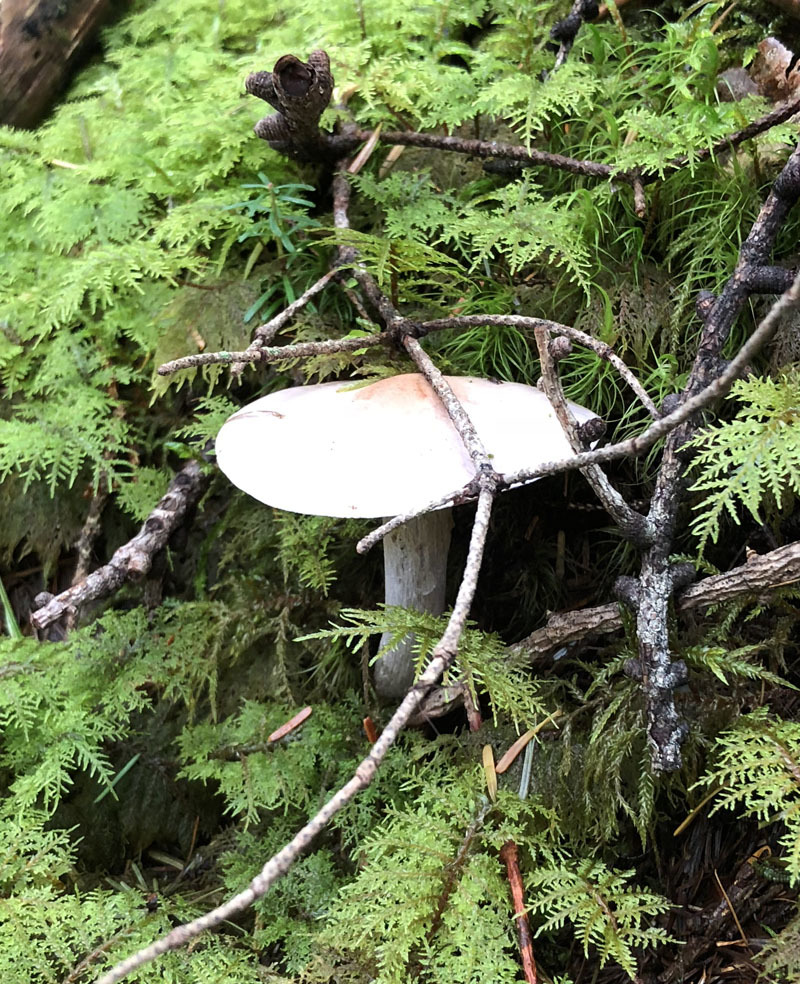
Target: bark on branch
x,y
135,558
758,579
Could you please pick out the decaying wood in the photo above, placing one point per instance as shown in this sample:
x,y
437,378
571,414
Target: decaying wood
x,y
40,41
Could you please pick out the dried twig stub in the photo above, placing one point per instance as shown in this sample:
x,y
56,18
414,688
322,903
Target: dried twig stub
x,y
300,91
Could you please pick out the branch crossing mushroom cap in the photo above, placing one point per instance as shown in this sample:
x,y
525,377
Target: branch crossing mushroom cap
x,y
343,449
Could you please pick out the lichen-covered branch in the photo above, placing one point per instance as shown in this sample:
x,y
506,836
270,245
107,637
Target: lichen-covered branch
x,y
455,410
601,349
650,597
135,558
758,578
669,423
278,353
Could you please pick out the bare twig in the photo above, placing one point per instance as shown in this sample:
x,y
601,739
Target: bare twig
x,y
776,116
455,410
601,349
454,869
497,150
632,524
134,559
465,494
279,353
265,333
300,92
772,276
592,169
640,443
90,531
441,658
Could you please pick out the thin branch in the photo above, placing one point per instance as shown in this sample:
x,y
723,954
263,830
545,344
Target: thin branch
x,y
265,333
591,169
466,493
455,410
453,869
631,447
632,524
775,117
135,558
279,353
300,92
441,658
456,323
401,329
496,149
640,443
90,531
601,349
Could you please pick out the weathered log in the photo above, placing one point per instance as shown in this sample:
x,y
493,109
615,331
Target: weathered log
x,y
40,43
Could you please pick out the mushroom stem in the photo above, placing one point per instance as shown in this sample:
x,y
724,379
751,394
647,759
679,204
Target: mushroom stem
x,y
415,565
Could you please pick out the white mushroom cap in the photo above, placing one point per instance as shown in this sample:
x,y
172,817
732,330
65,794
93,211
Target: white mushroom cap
x,y
339,449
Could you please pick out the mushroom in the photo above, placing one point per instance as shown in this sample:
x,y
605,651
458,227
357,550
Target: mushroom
x,y
384,449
